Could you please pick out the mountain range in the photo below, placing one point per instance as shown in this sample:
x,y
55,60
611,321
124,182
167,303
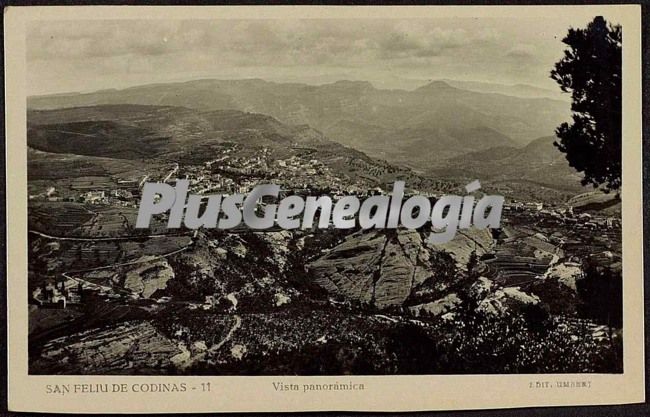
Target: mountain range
x,y
421,128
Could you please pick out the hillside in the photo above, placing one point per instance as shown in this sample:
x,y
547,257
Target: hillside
x,y
96,138
539,163
515,90
135,131
129,141
597,201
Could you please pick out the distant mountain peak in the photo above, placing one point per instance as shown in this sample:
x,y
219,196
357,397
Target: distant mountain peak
x,y
437,85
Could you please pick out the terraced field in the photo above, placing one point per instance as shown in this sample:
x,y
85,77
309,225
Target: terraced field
x,y
58,217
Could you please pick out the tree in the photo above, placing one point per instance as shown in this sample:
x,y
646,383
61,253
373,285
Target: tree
x,y
591,71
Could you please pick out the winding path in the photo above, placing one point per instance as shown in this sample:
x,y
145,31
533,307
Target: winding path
x,y
185,359
107,239
146,258
228,336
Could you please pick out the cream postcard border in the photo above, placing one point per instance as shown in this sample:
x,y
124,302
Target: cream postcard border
x,y
382,393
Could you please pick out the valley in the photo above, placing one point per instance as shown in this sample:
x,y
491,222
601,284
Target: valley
x,y
107,298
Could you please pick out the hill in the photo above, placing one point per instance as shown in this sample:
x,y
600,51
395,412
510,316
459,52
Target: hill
x,y
136,131
113,140
597,201
538,165
515,90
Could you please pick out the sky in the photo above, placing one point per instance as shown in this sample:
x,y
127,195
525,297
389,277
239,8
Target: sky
x,y
83,56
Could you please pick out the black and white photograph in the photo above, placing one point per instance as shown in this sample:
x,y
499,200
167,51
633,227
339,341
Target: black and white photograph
x,y
522,109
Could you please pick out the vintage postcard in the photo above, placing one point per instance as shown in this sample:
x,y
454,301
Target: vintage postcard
x,y
323,208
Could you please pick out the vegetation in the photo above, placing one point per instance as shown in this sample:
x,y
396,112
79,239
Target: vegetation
x,y
591,71
601,291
